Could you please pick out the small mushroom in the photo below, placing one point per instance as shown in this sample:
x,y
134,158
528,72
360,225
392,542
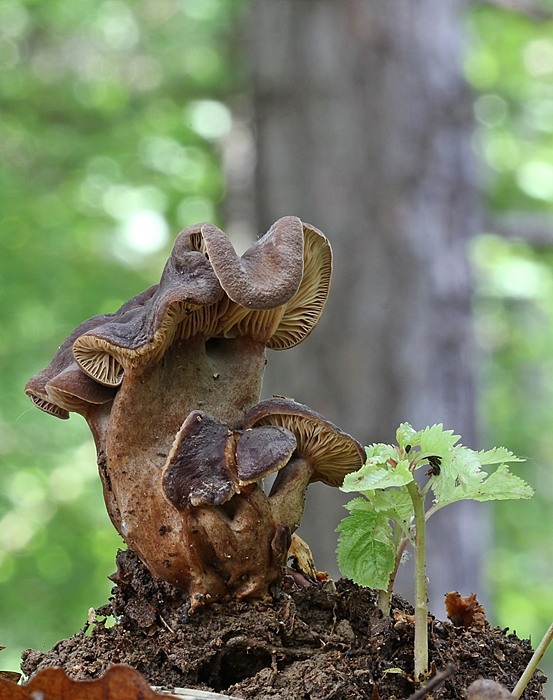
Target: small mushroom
x,y
209,463
323,453
210,477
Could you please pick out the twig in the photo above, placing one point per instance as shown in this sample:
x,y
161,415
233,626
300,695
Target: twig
x,y
166,625
533,663
192,694
433,683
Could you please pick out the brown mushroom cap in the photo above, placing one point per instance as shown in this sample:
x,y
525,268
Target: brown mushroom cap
x,y
62,386
261,451
270,271
197,469
73,390
141,332
208,463
293,320
90,355
331,453
206,288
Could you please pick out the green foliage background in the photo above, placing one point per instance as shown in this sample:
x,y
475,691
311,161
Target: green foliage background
x,y
111,118
510,65
109,123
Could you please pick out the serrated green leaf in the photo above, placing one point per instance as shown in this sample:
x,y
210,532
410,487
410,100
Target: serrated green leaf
x,y
366,553
405,435
396,504
380,451
498,455
360,503
435,440
503,485
375,476
460,476
397,501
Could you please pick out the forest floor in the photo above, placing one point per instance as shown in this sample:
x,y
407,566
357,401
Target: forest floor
x,y
327,640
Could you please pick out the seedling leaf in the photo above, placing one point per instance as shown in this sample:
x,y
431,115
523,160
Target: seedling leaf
x,y
396,504
459,478
434,440
497,455
366,552
406,436
381,452
503,485
376,474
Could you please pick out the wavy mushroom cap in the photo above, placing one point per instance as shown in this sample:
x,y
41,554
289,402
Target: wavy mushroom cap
x,y
63,386
331,453
270,271
284,326
274,293
143,332
105,367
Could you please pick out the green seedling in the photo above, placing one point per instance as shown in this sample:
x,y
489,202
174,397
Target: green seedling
x,y
392,510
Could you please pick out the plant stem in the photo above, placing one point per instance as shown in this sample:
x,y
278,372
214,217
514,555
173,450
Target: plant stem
x,y
385,597
421,604
533,663
383,602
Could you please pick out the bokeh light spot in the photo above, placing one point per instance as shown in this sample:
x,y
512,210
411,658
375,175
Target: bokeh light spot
x,y
209,118
538,57
146,231
535,178
490,110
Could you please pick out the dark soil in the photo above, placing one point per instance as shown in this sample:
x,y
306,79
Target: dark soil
x,y
327,640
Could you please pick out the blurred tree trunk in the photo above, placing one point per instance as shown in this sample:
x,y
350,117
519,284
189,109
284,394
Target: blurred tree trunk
x,y
363,121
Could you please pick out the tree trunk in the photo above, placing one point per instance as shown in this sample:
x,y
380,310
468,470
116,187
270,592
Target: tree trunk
x,y
363,121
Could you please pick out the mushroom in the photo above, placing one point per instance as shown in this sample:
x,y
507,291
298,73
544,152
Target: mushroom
x,y
323,453
193,347
210,477
209,463
240,537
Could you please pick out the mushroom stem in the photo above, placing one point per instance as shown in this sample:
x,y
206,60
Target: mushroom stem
x,y
147,413
287,496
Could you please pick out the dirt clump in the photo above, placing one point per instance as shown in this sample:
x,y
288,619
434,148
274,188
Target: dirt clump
x,y
326,640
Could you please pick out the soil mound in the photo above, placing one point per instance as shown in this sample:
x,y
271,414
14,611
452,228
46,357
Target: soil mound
x,y
327,640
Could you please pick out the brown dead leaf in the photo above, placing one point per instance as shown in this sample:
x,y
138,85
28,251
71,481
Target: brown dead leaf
x,y
13,676
118,683
299,550
11,691
465,611
402,620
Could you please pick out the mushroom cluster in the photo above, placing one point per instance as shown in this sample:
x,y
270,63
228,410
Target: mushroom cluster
x,y
169,385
